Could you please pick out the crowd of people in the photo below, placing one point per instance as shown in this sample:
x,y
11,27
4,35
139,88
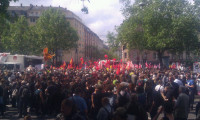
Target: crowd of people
x,y
87,94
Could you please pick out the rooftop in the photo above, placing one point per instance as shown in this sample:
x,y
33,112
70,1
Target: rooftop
x,y
41,8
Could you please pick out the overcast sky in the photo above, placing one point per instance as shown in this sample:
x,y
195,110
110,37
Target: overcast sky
x,y
103,15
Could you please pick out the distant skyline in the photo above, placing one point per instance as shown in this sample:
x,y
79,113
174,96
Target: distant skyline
x,y
103,15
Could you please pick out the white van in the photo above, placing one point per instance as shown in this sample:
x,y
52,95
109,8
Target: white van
x,y
18,62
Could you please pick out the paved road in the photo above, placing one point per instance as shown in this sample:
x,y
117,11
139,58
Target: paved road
x,y
192,114
11,113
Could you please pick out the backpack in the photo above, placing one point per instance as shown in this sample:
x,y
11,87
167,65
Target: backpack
x,y
14,93
110,115
25,93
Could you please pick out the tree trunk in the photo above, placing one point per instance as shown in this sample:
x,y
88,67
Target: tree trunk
x,y
53,58
56,57
160,55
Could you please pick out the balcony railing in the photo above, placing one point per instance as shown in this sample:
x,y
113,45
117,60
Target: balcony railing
x,y
34,15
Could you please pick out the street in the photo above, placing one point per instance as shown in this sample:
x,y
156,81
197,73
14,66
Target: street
x,y
11,113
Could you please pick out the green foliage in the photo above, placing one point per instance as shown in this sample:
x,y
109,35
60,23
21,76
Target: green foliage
x,y
110,53
160,25
4,5
3,27
14,39
97,54
53,31
112,41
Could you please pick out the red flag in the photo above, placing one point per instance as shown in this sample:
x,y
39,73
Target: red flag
x,y
68,67
140,66
46,55
118,70
71,61
106,56
63,65
82,61
146,65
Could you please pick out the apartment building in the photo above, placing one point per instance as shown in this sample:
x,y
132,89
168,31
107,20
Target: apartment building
x,y
138,56
88,40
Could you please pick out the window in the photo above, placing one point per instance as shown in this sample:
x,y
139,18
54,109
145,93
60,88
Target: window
x,y
155,56
125,55
22,12
32,19
13,13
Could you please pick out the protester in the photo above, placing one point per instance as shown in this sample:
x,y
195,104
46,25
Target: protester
x,y
182,105
105,113
80,103
136,111
91,93
27,118
24,95
69,111
120,114
1,100
190,85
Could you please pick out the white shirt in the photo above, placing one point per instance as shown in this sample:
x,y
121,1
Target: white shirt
x,y
159,87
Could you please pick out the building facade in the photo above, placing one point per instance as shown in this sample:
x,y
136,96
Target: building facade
x,y
88,41
137,56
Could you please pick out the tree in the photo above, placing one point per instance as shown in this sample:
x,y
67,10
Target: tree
x,y
110,53
112,42
3,18
3,26
15,38
160,25
54,31
97,53
4,5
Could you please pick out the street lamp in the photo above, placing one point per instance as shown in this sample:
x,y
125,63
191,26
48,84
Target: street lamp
x,y
141,5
